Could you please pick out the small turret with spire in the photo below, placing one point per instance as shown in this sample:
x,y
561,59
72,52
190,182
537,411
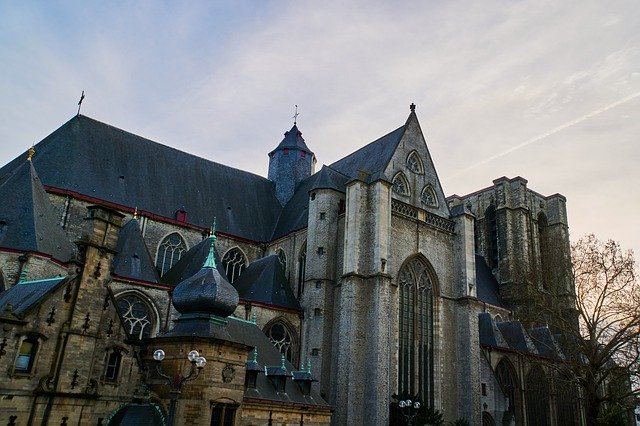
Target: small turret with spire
x,y
290,163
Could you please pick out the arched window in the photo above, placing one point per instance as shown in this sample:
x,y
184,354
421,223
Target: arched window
x,y
487,420
492,235
137,315
414,163
544,247
170,251
509,384
415,367
498,318
302,266
537,394
283,259
112,365
234,263
428,197
283,338
567,404
400,184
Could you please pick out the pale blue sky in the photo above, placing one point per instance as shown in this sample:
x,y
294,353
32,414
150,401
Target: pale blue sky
x,y
555,86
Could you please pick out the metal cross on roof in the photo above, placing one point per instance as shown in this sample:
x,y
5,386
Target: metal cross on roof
x,y
80,102
295,116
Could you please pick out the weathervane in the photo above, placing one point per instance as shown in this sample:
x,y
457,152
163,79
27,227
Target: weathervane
x,y
295,116
80,102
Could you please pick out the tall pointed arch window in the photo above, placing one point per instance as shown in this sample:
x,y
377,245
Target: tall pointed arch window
x,y
537,394
415,367
400,184
414,163
428,197
491,222
506,375
282,258
302,266
234,263
170,251
543,238
137,315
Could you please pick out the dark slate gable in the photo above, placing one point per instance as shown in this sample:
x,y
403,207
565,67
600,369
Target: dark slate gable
x,y
101,161
190,263
27,218
488,289
264,281
371,158
132,259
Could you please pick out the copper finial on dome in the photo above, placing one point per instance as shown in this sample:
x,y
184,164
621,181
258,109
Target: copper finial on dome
x,y
31,152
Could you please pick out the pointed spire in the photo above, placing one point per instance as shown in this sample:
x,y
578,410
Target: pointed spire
x,y
211,258
283,367
255,354
31,152
309,365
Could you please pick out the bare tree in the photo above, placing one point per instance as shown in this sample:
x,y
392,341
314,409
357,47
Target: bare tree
x,y
602,334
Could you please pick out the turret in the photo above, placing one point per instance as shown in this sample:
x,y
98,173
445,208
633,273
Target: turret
x,y
290,163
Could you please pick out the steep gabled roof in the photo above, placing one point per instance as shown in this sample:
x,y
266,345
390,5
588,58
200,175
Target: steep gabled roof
x,y
487,286
26,295
371,158
101,161
295,213
27,218
264,281
489,333
132,259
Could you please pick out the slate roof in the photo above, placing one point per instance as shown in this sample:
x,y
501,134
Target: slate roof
x,y
137,414
546,343
293,139
26,295
295,214
489,333
488,289
516,337
120,167
132,259
264,281
190,263
371,158
27,218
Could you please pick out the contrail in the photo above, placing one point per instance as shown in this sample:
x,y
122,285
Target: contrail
x,y
547,134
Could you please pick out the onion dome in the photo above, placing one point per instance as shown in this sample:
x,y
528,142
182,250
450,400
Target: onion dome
x,y
207,291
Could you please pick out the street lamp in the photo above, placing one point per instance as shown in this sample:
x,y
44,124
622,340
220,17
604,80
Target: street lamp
x,y
177,381
409,409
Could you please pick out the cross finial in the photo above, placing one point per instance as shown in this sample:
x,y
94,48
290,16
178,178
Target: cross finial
x,y
412,107
210,262
80,102
31,152
295,116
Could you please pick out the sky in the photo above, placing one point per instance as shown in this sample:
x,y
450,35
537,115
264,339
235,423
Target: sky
x,y
546,90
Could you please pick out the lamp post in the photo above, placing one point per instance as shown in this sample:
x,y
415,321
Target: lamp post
x,y
409,409
178,380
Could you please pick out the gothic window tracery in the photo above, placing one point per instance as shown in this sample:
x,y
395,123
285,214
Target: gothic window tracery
x,y
537,394
170,251
415,367
428,197
137,316
506,376
400,184
414,163
302,265
282,258
234,263
282,337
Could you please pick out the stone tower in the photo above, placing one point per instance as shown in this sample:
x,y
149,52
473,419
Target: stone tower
x,y
290,163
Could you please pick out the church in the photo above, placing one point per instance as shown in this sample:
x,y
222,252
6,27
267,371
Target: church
x,y
316,296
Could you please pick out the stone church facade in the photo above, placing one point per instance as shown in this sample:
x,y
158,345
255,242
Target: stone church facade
x,y
365,270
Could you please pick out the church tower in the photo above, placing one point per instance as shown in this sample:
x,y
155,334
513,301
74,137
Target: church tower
x,y
290,163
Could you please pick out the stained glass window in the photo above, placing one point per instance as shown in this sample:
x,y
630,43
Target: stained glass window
x,y
508,383
415,369
136,315
234,263
170,251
